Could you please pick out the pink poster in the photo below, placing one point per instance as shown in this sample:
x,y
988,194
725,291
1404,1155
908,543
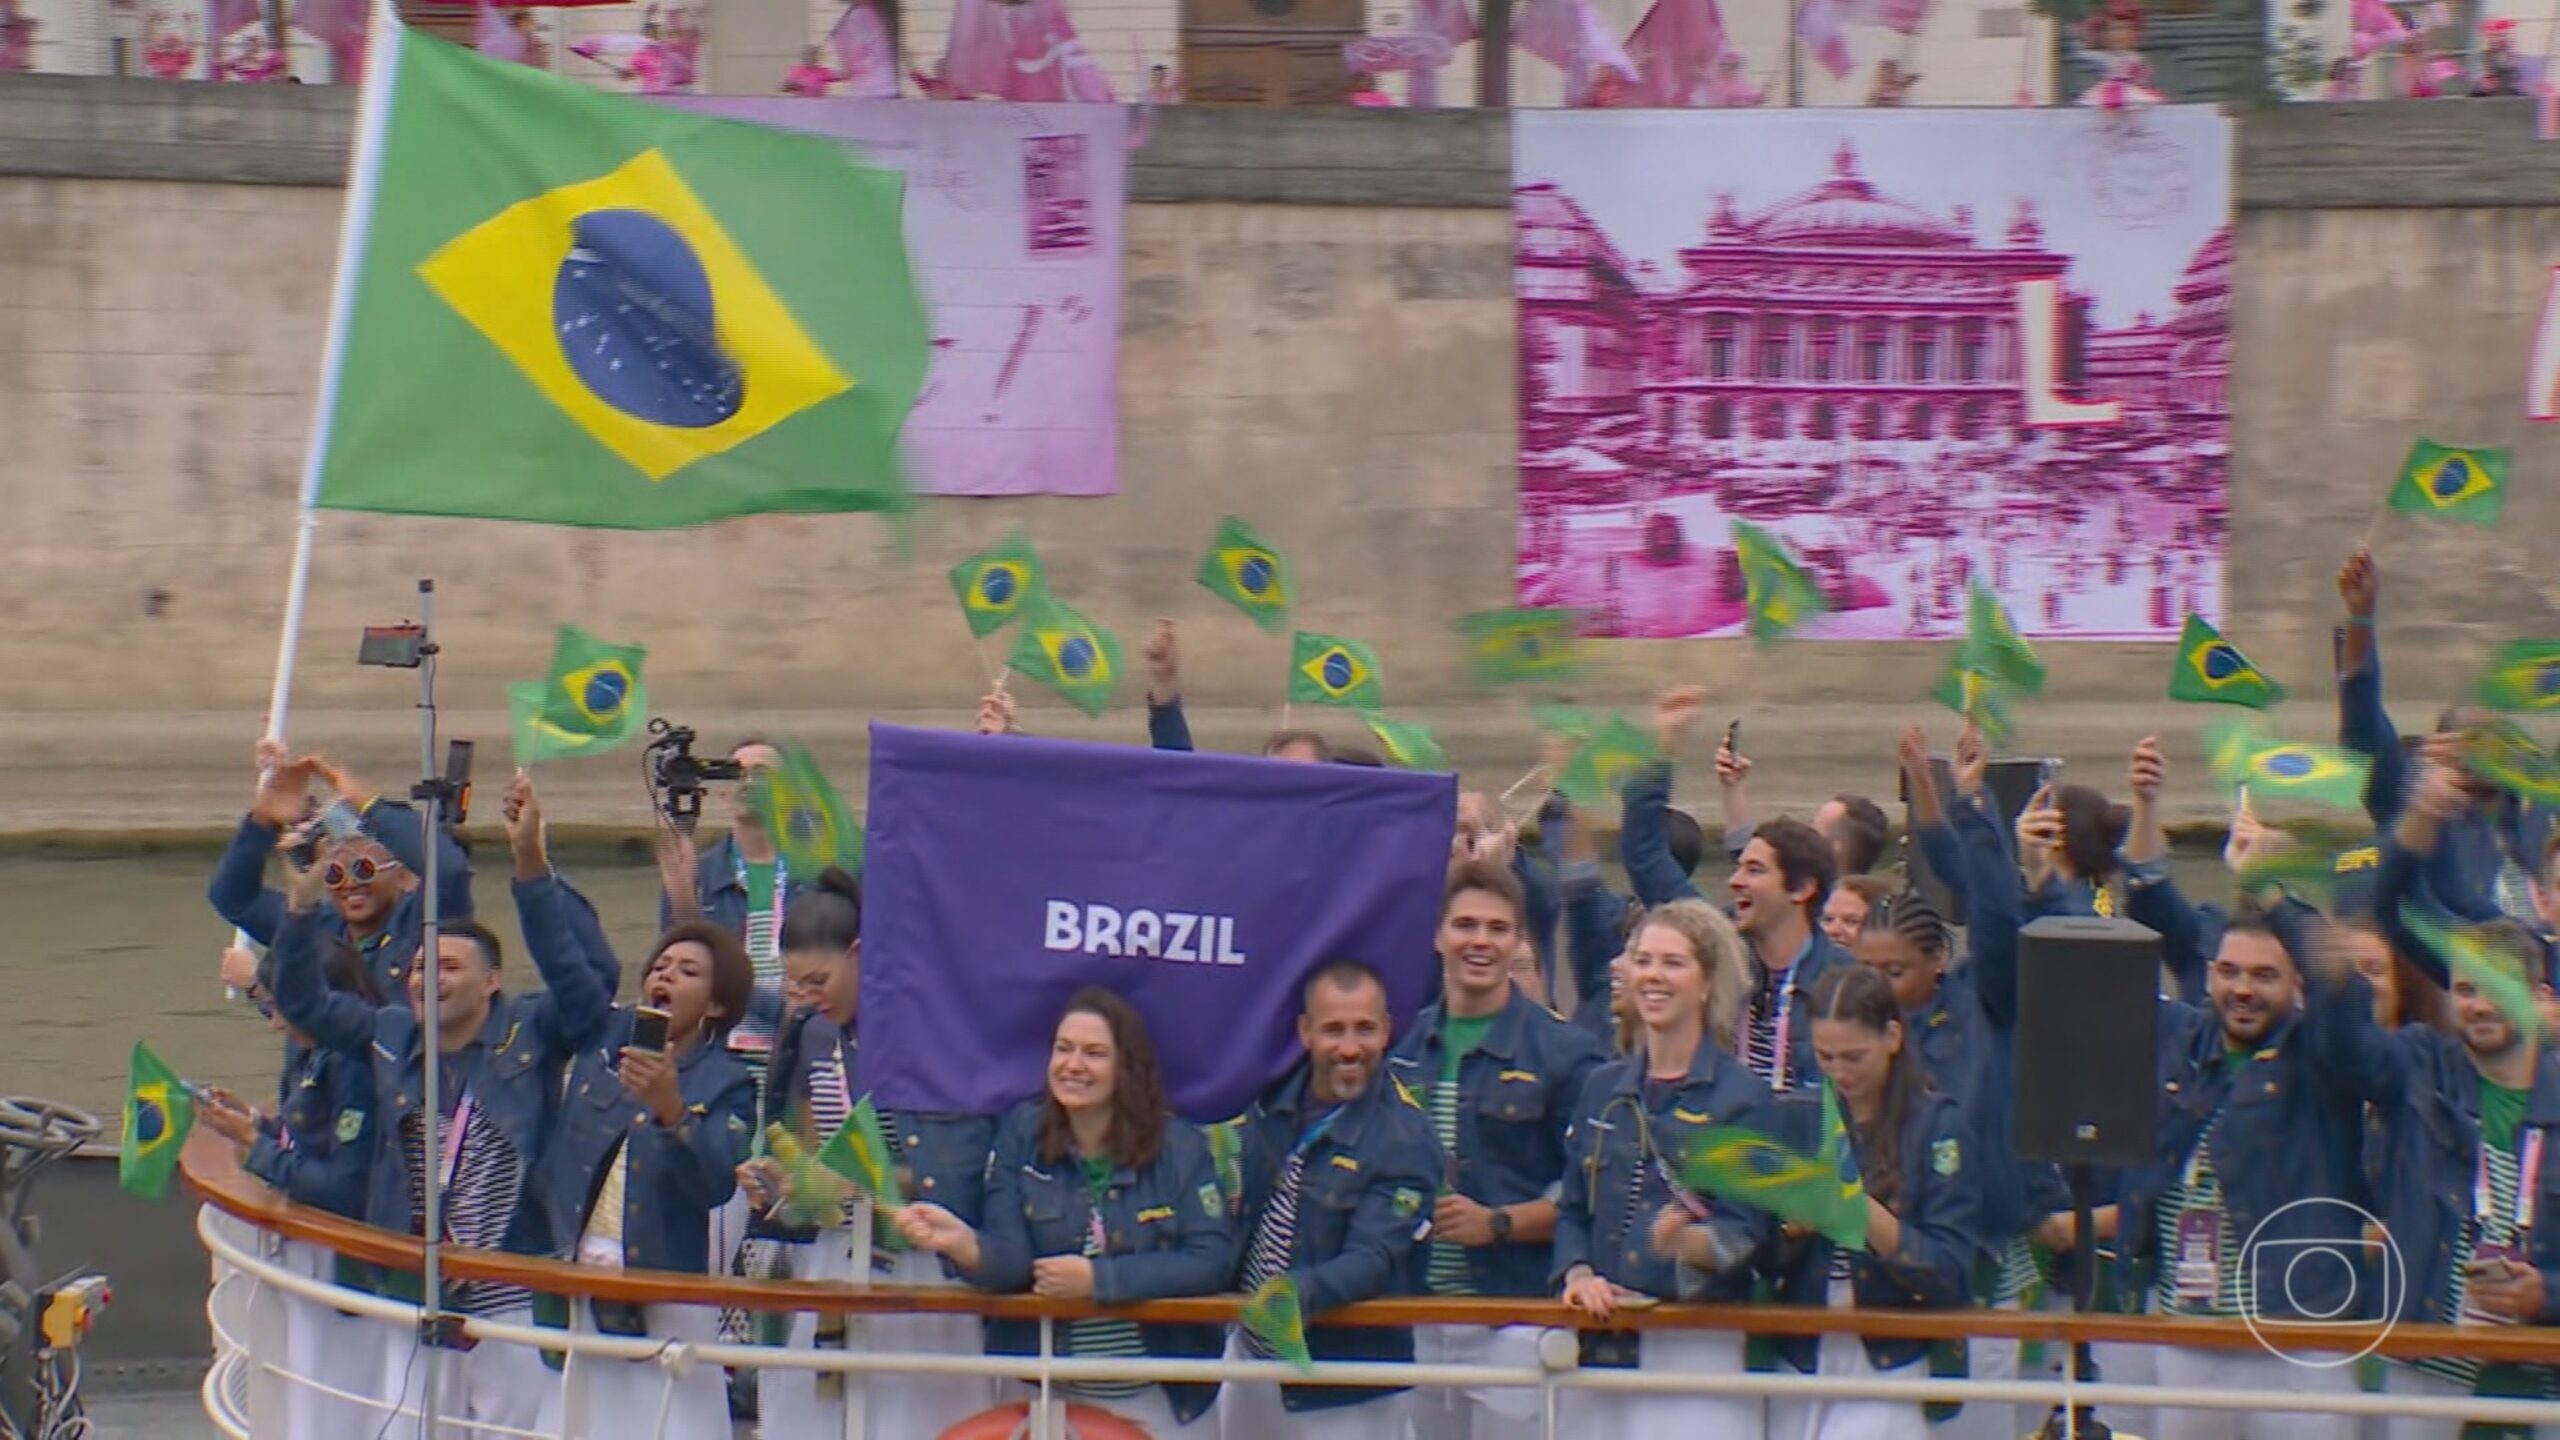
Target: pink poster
x,y
1013,226
1923,347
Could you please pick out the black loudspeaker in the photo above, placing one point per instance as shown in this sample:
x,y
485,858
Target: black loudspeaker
x,y
2012,784
2088,1041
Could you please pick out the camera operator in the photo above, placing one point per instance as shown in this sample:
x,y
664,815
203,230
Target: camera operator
x,y
741,882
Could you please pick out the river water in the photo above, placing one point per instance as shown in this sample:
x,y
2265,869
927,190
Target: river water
x,y
110,951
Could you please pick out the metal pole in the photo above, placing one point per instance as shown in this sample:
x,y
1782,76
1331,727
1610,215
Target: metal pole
x,y
430,972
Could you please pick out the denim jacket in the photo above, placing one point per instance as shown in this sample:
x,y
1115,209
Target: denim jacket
x,y
319,1148
1165,1233
528,1039
674,1178
2285,1128
1516,1093
2424,1085
1369,1181
1940,1211
2476,846
941,1158
241,895
1619,1146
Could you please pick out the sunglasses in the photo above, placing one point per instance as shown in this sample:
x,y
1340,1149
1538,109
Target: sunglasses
x,y
361,871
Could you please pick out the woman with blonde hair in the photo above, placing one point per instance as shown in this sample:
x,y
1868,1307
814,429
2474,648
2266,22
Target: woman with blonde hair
x,y
1627,1228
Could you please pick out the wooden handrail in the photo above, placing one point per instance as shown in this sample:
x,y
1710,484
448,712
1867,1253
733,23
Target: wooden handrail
x,y
211,1167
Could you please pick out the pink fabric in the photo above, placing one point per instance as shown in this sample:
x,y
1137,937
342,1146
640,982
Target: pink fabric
x,y
654,68
1571,36
492,36
341,25
2375,28
1373,100
1818,25
1027,52
1675,48
861,44
169,55
1451,20
2546,112
17,39
809,82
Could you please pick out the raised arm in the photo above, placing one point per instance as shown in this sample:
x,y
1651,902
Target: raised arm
x,y
1167,729
1644,844
402,832
2352,1053
238,889
1203,1254
2400,877
2152,898
2364,726
571,1011
337,1021
1733,786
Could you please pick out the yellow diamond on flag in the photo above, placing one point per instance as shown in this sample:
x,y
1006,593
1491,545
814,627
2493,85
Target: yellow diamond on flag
x,y
638,243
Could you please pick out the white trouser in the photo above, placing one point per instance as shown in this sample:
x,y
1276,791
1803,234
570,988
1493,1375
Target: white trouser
x,y
1621,1416
329,1347
2398,1379
624,1397
492,1383
2251,1369
1483,1412
1845,1357
1252,1410
794,1406
1991,1358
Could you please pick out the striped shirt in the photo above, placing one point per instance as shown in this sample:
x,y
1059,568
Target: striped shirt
x,y
2200,1189
1275,1238
1770,1018
2497,1228
1102,1339
479,1201
762,933
1445,1270
2015,1274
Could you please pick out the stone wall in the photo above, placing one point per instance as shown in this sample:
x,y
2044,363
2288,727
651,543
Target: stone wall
x,y
1318,335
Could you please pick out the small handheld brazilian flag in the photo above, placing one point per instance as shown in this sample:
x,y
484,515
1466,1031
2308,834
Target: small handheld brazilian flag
x,y
812,1194
593,701
2505,756
1249,574
1993,646
1274,1316
1779,596
859,1151
157,1116
2471,954
1606,762
1067,652
994,584
2211,671
1410,746
1226,1157
2525,676
1820,1190
578,308
2318,774
1977,697
2452,483
1505,647
1330,670
805,816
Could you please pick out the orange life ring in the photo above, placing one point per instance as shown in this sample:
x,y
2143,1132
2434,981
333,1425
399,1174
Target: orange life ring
x,y
1011,1422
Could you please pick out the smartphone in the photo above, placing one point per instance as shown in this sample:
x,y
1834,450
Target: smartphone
x,y
457,775
1733,738
340,822
649,1030
2048,772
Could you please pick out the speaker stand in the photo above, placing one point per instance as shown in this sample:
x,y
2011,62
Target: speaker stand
x,y
2077,1422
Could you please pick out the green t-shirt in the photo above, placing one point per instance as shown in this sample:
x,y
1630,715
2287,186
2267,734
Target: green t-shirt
x,y
1097,1174
2501,1114
2237,1060
759,888
1460,1035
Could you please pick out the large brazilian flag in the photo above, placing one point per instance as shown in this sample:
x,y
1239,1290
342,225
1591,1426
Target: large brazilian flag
x,y
560,305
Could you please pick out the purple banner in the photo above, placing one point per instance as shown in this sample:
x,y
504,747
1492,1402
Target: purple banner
x,y
1003,872
1013,227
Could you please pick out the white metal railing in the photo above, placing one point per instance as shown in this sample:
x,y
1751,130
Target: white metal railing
x,y
251,1371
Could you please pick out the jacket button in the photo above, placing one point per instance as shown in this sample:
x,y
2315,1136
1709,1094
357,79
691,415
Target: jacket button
x,y
914,1140
639,1120
928,1182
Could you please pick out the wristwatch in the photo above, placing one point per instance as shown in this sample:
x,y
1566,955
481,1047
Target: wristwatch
x,y
1501,1226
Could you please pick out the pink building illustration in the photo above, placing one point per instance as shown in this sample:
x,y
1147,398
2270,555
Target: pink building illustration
x,y
1845,365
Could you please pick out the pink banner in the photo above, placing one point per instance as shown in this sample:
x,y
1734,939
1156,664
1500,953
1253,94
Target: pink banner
x,y
1013,225
1924,348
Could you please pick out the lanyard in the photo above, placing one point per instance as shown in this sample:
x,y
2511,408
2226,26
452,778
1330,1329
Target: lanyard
x,y
1314,1133
1781,1062
2528,1177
